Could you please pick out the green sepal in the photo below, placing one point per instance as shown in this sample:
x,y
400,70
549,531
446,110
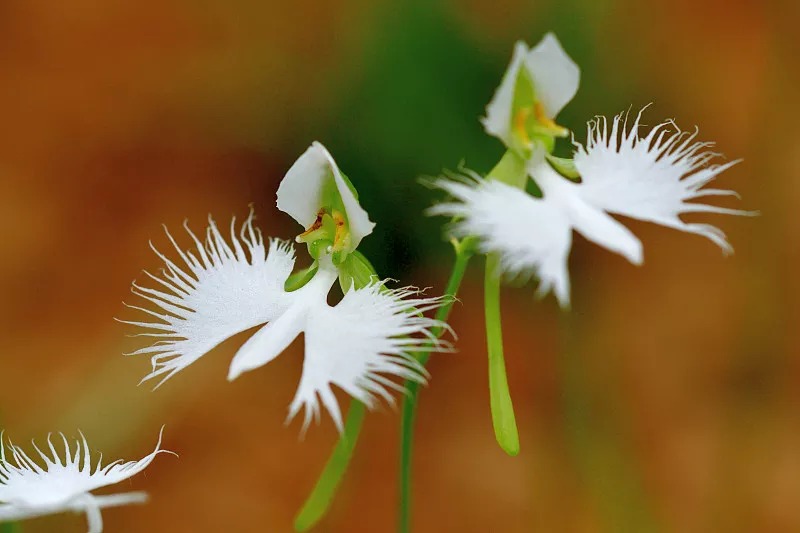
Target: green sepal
x,y
356,272
565,167
300,278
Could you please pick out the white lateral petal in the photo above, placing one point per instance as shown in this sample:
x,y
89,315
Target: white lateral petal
x,y
220,289
497,121
651,178
531,235
359,344
555,75
300,192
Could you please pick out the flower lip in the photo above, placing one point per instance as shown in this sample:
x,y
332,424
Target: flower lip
x,y
357,345
300,193
29,488
273,338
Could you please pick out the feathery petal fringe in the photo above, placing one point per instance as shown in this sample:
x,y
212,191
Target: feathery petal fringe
x,y
221,289
531,235
26,483
651,178
370,335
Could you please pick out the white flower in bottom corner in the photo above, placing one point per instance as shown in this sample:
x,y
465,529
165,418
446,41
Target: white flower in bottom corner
x,y
652,178
359,344
29,489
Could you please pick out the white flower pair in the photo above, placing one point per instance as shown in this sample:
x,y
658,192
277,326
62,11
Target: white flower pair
x,y
652,177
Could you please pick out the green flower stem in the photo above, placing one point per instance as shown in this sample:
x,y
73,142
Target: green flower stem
x,y
320,499
356,271
505,424
463,255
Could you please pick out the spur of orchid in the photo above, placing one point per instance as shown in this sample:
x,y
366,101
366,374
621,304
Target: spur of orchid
x,y
523,213
30,489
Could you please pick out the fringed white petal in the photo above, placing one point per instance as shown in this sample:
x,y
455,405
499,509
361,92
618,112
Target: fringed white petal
x,y
587,219
497,121
62,481
652,178
531,235
368,338
555,75
300,192
221,289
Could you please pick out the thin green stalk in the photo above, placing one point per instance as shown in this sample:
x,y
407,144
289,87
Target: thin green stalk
x,y
505,424
320,499
463,254
356,271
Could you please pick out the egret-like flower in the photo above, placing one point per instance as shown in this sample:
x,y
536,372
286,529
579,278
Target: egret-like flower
x,y
654,176
224,287
62,482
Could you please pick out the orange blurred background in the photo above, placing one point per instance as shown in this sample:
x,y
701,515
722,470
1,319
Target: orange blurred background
x,y
667,400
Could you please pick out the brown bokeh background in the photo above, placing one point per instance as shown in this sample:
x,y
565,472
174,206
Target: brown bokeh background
x,y
667,400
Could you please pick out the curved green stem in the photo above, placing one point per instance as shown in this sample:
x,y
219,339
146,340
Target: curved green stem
x,y
320,499
505,425
463,254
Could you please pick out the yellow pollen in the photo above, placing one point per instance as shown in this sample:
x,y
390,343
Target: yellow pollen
x,y
519,125
341,231
547,122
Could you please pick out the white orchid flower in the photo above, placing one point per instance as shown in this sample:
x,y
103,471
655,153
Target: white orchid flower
x,y
29,489
536,86
224,288
652,178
